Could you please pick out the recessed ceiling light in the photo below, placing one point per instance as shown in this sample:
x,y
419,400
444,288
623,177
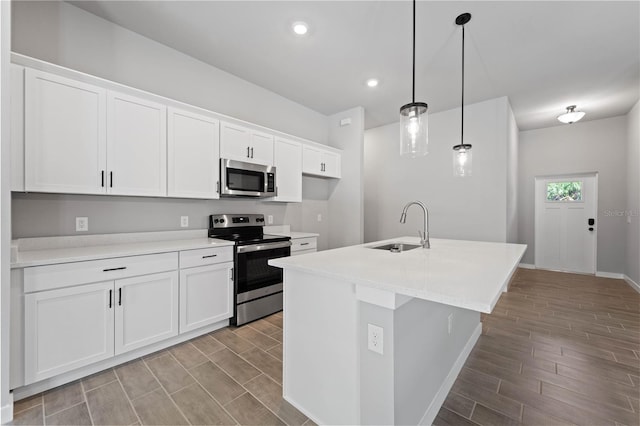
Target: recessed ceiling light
x,y
372,82
300,28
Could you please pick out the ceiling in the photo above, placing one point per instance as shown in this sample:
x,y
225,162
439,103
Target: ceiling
x,y
543,55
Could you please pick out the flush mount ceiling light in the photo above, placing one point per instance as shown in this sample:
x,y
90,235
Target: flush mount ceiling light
x,y
462,152
414,137
571,116
372,82
300,28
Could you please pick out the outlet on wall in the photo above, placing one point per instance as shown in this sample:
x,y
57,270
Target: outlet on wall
x,y
184,221
82,224
270,219
319,217
375,338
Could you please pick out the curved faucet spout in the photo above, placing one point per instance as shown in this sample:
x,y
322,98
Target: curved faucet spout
x,y
424,236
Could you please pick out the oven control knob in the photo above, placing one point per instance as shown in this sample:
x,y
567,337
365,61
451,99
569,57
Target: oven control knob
x,y
215,221
221,220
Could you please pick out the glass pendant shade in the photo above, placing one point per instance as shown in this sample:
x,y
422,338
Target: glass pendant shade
x,y
462,160
571,116
414,136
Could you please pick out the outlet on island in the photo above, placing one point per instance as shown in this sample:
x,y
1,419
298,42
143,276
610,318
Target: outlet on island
x,y
375,341
82,224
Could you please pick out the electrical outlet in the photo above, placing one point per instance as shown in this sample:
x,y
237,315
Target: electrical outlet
x,y
375,339
450,323
82,224
184,221
270,219
319,217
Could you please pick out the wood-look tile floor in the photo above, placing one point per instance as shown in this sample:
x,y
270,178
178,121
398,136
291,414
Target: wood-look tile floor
x,y
558,349
231,376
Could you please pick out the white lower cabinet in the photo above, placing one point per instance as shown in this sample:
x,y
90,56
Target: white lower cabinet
x,y
146,310
206,295
67,328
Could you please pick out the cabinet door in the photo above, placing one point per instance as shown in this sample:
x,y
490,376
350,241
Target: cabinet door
x,y
331,162
261,148
146,310
136,146
288,162
311,160
206,295
193,155
17,127
64,134
67,329
235,142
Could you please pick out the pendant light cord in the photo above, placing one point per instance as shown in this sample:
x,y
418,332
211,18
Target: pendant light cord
x,y
413,84
462,102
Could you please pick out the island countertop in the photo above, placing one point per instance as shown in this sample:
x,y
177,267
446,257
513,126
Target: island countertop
x,y
465,274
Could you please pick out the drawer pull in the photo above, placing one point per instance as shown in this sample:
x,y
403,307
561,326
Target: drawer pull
x,y
110,294
211,255
304,244
114,269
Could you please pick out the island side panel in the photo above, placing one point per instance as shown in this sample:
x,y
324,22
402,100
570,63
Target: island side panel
x,y
320,358
427,358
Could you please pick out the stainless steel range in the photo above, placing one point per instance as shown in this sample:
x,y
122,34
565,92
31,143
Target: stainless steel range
x,y
258,286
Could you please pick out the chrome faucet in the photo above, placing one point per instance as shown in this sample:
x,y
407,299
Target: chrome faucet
x,y
424,236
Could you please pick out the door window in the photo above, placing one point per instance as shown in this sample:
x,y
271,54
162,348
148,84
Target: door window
x,y
569,191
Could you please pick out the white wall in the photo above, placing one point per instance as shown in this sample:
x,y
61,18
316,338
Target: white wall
x,y
346,205
632,266
473,208
590,146
63,34
6,401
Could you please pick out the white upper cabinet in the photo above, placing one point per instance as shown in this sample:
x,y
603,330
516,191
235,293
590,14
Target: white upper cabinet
x,y
244,144
17,128
320,162
288,162
65,134
193,142
136,146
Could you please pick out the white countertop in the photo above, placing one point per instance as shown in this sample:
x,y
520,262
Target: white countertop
x,y
466,274
53,250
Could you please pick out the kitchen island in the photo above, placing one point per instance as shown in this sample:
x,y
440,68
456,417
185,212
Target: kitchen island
x,y
424,306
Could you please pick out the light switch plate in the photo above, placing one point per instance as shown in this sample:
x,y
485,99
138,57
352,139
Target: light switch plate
x,y
82,224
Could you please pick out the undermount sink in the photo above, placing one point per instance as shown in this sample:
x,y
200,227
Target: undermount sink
x,y
396,247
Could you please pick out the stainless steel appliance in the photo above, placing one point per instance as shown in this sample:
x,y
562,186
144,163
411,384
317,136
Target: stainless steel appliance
x,y
240,179
258,286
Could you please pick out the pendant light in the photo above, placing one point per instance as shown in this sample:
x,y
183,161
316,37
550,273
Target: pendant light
x,y
414,137
462,157
571,116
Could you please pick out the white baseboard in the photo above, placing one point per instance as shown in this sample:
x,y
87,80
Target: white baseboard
x,y
526,266
632,283
442,393
6,413
609,275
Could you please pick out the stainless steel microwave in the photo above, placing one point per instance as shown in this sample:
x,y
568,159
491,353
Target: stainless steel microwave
x,y
240,179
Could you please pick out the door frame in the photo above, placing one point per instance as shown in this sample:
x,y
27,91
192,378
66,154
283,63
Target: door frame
x,y
561,177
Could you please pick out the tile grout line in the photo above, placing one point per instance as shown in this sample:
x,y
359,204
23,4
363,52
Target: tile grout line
x,y
265,405
86,401
64,409
202,387
126,395
164,389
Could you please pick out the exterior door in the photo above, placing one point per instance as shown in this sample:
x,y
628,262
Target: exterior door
x,y
566,223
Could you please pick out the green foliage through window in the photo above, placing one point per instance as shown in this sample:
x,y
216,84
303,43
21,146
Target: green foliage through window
x,y
564,191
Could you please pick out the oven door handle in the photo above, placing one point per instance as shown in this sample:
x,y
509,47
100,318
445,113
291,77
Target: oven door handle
x,y
263,246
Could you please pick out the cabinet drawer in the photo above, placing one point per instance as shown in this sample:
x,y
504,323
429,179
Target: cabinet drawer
x,y
304,244
49,277
208,256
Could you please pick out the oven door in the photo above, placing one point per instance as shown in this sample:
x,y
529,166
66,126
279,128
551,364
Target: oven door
x,y
255,278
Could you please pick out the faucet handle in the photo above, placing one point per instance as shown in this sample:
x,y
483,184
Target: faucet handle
x,y
422,236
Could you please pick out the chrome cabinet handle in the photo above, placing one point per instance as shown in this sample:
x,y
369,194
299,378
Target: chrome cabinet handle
x,y
110,295
211,255
304,244
248,152
120,296
251,152
114,269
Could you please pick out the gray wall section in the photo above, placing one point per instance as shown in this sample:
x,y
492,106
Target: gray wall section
x,y
473,208
591,146
60,33
632,266
512,178
346,205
